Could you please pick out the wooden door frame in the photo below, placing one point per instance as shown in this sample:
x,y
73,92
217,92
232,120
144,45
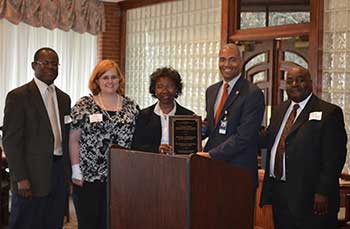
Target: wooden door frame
x,y
314,29
124,7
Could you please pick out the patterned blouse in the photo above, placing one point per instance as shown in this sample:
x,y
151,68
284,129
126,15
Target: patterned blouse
x,y
96,135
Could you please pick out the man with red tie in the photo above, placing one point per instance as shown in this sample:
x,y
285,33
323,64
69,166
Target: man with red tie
x,y
235,109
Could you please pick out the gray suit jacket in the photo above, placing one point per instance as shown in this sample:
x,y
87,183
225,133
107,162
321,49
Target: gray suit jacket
x,y
245,111
28,138
315,155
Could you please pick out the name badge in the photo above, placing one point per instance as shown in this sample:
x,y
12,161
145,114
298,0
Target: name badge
x,y
317,115
96,118
67,119
223,127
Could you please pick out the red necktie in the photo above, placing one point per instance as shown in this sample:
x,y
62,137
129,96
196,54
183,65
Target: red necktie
x,y
222,103
278,171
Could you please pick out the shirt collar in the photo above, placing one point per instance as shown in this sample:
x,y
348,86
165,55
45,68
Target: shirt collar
x,y
233,81
42,86
303,103
159,111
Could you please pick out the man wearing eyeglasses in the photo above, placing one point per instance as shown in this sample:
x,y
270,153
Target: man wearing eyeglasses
x,y
306,143
35,138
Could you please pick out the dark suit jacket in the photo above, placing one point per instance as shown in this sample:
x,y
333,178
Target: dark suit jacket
x,y
245,111
315,155
148,131
28,138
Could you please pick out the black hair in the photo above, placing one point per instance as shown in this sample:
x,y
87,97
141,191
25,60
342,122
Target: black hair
x,y
37,53
168,72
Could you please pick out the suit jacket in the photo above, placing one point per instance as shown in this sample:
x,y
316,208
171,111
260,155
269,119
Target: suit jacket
x,y
315,155
28,138
245,111
148,131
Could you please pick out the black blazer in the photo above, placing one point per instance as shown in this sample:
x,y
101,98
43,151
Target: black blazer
x,y
148,131
28,139
315,155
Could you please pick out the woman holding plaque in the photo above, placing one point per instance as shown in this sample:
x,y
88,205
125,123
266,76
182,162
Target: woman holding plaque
x,y
152,126
104,118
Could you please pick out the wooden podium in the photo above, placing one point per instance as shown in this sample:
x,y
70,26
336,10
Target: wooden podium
x,y
154,191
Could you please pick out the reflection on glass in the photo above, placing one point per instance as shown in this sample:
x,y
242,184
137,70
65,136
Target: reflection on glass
x,y
290,56
256,14
253,20
286,18
285,96
259,77
256,60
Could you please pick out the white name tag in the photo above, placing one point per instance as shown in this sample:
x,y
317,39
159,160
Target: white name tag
x,y
67,119
96,118
317,115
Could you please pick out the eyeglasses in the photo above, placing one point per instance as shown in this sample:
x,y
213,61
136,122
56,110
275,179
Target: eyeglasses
x,y
47,63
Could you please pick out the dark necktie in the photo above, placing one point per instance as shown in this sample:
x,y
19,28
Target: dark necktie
x,y
222,103
278,171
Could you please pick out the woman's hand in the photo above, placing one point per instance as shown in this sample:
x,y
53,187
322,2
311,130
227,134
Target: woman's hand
x,y
165,149
77,182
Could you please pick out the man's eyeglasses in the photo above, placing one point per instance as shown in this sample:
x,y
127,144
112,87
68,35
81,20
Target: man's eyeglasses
x,y
47,63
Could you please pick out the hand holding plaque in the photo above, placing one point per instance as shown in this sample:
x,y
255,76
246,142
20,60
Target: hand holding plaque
x,y
185,134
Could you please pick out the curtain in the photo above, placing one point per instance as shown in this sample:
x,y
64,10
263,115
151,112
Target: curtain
x,y
78,15
77,57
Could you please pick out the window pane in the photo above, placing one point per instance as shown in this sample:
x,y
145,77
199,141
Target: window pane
x,y
182,34
261,58
285,18
257,14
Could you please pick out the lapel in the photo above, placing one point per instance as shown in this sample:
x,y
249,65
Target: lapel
x,y
235,92
154,124
61,109
38,102
211,103
304,115
279,119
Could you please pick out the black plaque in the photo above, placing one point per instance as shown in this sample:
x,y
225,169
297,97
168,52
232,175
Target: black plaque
x,y
185,134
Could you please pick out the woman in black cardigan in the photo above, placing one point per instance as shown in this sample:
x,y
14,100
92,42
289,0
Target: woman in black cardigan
x,y
151,133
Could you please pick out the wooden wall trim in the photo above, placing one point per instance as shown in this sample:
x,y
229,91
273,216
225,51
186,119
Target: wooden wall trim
x,y
270,32
316,44
125,6
140,3
314,29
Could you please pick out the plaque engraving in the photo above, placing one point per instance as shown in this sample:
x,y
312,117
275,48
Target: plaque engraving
x,y
185,134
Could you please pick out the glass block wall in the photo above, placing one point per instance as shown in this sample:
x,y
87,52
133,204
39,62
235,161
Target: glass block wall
x,y
182,34
336,59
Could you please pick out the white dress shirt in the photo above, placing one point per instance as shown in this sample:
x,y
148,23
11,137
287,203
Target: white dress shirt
x,y
164,120
44,92
302,104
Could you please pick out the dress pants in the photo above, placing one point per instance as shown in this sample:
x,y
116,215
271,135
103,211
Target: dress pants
x,y
284,219
90,203
41,212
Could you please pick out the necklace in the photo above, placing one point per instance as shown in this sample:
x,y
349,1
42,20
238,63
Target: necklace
x,y
113,118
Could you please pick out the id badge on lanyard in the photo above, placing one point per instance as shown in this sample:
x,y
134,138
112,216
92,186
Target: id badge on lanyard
x,y
223,124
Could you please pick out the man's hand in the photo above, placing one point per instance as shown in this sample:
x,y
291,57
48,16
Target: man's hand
x,y
320,204
203,154
24,188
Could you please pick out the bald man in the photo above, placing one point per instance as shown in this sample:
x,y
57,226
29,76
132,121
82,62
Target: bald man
x,y
306,145
233,122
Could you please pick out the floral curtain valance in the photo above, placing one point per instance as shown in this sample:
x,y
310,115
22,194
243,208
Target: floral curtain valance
x,y
78,15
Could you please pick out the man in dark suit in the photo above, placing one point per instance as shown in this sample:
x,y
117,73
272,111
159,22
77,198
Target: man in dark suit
x,y
233,122
35,141
306,142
